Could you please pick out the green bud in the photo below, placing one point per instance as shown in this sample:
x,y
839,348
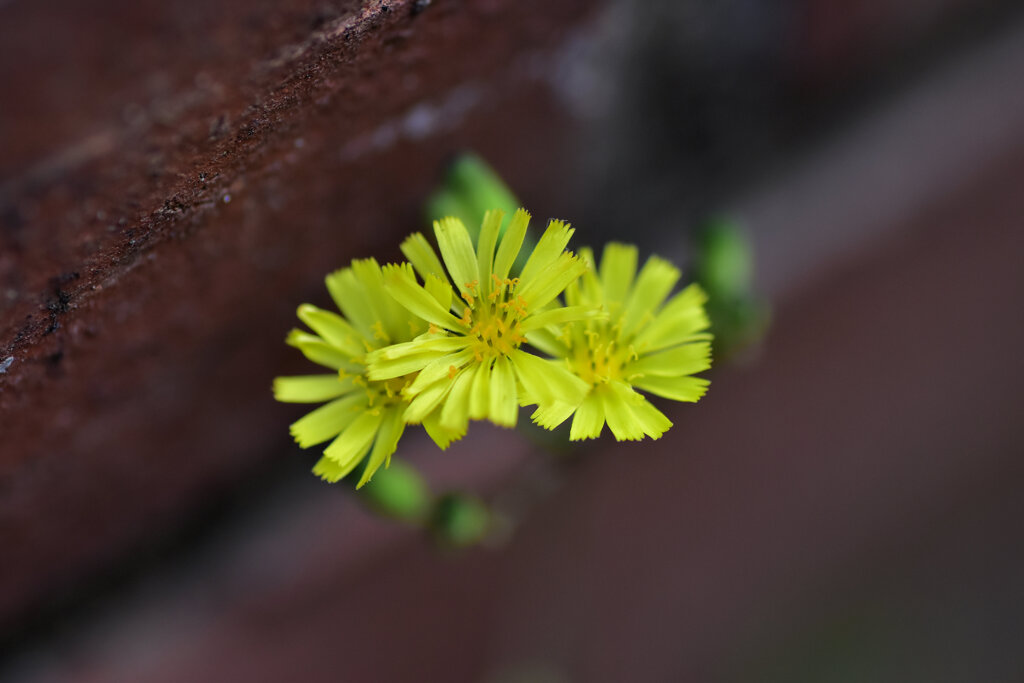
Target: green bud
x,y
460,520
398,492
725,262
479,187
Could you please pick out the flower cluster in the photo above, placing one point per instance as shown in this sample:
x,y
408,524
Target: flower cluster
x,y
447,338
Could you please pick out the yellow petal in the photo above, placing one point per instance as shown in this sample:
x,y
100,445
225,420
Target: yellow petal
x,y
328,420
457,251
503,408
320,352
687,359
589,419
388,434
485,248
401,284
422,256
655,282
551,244
310,388
689,389
511,242
618,267
333,329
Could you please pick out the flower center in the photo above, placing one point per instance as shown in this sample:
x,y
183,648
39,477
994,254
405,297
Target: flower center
x,y
494,320
596,358
382,393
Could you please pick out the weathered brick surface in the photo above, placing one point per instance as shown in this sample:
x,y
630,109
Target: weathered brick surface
x,y
176,177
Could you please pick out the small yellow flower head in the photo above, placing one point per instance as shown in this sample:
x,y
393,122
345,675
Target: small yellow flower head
x,y
645,343
362,413
471,362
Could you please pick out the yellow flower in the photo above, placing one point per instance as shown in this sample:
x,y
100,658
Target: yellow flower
x,y
643,344
362,413
471,364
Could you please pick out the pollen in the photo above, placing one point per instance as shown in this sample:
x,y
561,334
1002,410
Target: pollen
x,y
599,361
495,323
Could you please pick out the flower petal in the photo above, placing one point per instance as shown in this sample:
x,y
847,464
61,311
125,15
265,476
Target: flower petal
x,y
333,329
617,399
687,359
457,251
388,313
546,340
455,411
422,256
551,244
402,359
503,408
655,282
440,369
618,267
328,420
651,420
485,248
438,287
686,388
426,401
311,388
587,290
511,242
561,314
547,382
388,434
480,395
589,419
542,289
552,415
682,318
329,470
350,297
401,284
320,352
441,436
351,446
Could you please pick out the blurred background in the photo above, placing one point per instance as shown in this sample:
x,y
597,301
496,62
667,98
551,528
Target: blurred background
x,y
844,505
